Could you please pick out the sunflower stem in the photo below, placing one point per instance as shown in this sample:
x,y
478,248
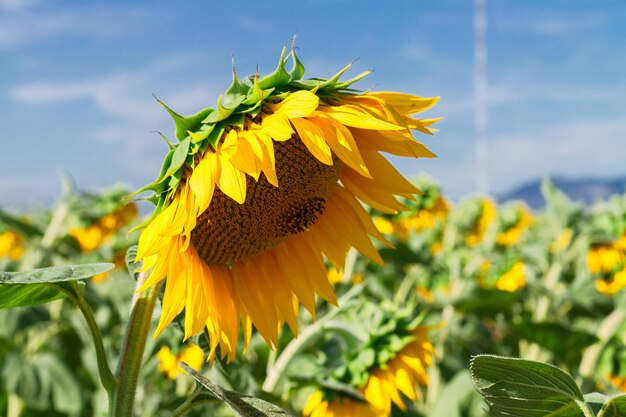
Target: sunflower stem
x,y
109,382
131,356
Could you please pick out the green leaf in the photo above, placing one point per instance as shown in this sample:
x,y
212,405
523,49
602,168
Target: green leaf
x,y
243,405
518,387
614,407
55,274
24,295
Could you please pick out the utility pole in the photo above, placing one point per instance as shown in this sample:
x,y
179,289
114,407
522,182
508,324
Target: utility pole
x,y
481,106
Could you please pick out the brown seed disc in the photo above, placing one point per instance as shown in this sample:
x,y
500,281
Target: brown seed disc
x,y
229,232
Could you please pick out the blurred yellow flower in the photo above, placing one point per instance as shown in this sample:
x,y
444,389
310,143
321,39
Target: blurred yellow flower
x,y
513,234
619,383
192,355
336,276
514,279
400,374
317,406
11,245
485,219
612,285
428,217
425,294
423,219
91,237
604,258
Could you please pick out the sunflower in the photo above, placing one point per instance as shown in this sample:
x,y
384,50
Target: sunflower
x,y
91,237
483,222
400,374
258,192
319,406
514,279
11,245
513,232
192,355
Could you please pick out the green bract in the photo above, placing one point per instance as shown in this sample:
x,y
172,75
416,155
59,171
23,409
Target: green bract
x,y
245,97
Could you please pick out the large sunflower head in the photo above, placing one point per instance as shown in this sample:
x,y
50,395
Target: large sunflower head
x,y
258,191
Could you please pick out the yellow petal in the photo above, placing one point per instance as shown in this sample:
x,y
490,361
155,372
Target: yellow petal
x,y
313,138
298,104
202,180
354,116
231,181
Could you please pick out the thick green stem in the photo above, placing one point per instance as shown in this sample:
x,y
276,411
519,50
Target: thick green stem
x,y
75,295
106,376
131,356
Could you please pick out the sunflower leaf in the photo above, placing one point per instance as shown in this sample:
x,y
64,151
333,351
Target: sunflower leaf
x,y
243,405
25,295
522,387
614,406
55,274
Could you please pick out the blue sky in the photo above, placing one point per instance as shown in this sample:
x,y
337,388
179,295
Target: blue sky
x,y
77,78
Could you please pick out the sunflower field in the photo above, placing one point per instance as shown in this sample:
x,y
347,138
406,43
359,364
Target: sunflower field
x,y
262,286
463,279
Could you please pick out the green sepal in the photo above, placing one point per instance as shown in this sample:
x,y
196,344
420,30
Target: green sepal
x,y
174,180
297,70
255,94
202,134
226,105
332,80
160,205
279,77
236,120
345,84
178,158
185,123
216,133
309,84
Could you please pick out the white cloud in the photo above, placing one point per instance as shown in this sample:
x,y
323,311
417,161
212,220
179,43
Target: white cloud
x,y
25,27
551,24
577,148
123,95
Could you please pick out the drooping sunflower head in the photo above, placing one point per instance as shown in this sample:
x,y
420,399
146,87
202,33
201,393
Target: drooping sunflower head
x,y
259,190
385,369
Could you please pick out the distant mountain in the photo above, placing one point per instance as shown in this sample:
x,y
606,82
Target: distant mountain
x,y
585,190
